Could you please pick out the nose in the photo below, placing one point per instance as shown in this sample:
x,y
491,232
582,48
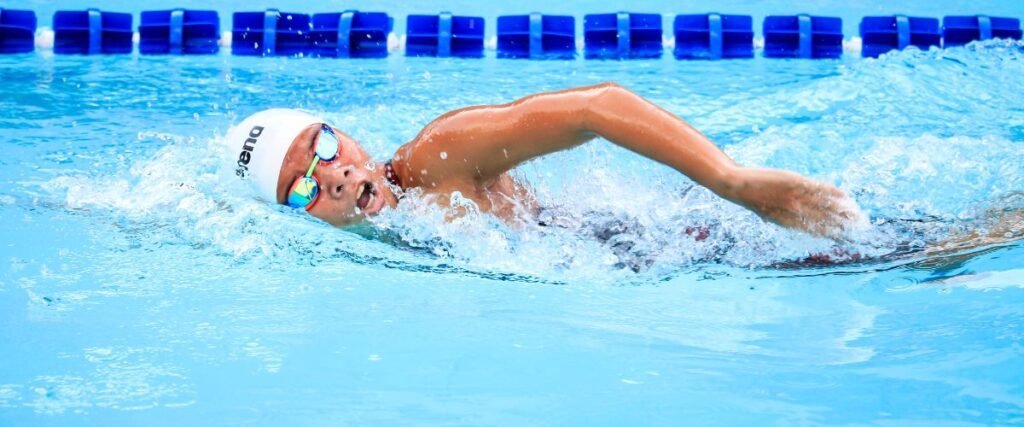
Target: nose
x,y
340,181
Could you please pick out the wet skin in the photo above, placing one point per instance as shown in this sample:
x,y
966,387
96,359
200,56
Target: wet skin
x,y
342,180
471,151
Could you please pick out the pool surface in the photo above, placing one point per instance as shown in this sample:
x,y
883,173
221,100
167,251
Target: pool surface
x,y
141,286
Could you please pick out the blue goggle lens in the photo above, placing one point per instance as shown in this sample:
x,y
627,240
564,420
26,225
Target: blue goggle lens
x,y
303,192
327,144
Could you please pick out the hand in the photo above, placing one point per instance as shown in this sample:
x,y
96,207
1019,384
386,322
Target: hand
x,y
794,201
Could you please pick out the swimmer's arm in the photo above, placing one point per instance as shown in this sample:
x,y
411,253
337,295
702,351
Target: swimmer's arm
x,y
481,143
478,144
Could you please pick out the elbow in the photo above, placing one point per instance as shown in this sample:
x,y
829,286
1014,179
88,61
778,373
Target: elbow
x,y
601,93
606,86
599,99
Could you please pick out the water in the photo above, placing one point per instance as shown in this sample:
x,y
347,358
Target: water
x,y
139,286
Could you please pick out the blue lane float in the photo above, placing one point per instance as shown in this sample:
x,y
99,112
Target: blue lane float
x,y
17,31
351,34
179,32
537,36
803,36
622,35
960,30
881,34
270,33
92,31
713,36
444,35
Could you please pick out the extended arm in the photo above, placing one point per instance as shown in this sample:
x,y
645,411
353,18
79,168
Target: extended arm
x,y
480,143
486,141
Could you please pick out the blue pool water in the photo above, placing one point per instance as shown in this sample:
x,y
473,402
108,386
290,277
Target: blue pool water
x,y
136,288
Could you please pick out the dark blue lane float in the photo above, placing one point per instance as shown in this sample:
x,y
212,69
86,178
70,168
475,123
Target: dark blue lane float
x,y
960,30
351,34
803,36
713,36
179,32
270,33
92,31
444,35
17,31
537,36
881,34
622,35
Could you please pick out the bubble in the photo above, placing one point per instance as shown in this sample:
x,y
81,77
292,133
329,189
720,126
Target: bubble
x,y
444,155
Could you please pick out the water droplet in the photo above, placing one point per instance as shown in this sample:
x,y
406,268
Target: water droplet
x,y
444,155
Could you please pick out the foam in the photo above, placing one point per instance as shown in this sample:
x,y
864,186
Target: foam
x,y
911,160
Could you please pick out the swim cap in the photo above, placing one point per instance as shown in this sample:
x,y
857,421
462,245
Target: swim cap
x,y
260,143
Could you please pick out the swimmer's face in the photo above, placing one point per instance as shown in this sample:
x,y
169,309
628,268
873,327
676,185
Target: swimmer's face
x,y
351,186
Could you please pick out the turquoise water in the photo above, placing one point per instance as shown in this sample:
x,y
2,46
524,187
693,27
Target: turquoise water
x,y
137,288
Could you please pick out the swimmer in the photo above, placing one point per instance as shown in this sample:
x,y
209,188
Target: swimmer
x,y
297,159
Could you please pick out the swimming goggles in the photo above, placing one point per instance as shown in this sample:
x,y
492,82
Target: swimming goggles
x,y
306,188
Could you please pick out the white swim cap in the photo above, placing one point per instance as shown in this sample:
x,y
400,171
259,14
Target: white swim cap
x,y
260,143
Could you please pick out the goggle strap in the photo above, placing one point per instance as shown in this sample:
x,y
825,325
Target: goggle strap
x,y
316,159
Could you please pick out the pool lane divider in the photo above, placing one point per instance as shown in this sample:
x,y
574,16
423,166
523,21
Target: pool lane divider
x,y
960,30
92,32
803,36
175,36
622,35
902,32
713,36
344,28
17,31
444,35
270,33
356,34
351,34
881,34
270,18
536,36
179,32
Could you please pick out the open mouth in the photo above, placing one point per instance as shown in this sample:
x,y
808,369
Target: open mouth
x,y
366,195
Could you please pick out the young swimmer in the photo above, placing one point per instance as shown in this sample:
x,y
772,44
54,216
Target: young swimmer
x,y
294,158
